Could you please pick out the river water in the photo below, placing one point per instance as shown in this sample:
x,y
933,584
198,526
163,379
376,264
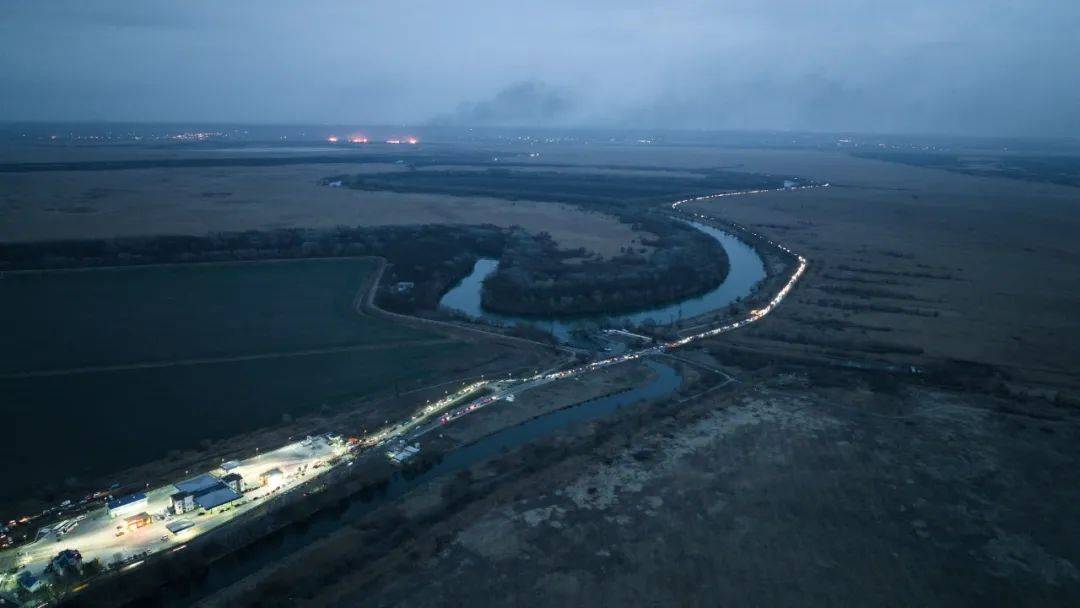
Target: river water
x,y
284,542
745,272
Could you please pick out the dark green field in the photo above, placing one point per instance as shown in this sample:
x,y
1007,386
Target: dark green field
x,y
133,315
170,333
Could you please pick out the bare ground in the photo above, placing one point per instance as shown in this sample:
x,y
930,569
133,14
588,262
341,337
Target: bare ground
x,y
778,494
103,204
972,268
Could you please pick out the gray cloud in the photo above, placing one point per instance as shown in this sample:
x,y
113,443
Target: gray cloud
x,y
953,66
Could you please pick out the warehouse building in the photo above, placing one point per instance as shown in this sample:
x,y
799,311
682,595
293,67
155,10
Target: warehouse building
x,y
217,499
208,493
127,505
197,484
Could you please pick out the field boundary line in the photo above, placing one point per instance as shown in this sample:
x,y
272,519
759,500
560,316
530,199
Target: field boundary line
x,y
212,360
21,271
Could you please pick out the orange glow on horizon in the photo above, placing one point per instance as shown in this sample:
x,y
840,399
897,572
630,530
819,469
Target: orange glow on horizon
x,y
332,139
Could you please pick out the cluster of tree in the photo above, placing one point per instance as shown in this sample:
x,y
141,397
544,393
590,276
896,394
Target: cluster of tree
x,y
544,182
419,284
414,250
536,278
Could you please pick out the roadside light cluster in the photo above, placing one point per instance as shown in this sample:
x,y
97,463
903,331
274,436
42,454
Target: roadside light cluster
x,y
422,415
362,139
709,197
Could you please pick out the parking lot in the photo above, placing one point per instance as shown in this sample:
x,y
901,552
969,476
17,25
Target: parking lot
x,y
98,536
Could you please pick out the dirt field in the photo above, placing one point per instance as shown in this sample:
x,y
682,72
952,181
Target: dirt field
x,y
776,494
99,204
991,260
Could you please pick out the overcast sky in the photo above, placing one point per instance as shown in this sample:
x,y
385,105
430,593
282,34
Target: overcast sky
x,y
915,66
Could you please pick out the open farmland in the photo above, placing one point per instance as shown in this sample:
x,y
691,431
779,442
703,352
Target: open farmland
x,y
156,359
936,264
50,205
186,312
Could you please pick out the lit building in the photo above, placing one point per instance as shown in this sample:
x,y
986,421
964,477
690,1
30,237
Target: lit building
x,y
206,492
274,477
235,481
126,505
182,502
217,499
137,521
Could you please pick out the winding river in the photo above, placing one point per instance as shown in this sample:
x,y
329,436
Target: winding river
x,y
745,271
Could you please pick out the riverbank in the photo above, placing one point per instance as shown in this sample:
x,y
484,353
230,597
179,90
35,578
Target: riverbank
x,y
746,272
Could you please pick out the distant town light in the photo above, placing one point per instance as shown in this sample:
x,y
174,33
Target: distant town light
x,y
332,139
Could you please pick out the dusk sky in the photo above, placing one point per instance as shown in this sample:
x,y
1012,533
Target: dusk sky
x,y
922,66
